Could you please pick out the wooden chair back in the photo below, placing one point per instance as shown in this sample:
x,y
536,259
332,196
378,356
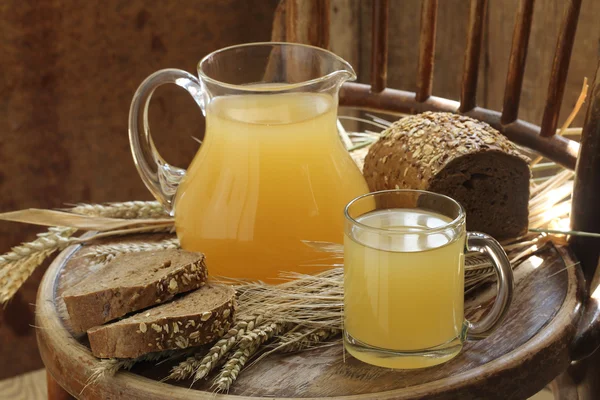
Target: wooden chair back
x,y
307,21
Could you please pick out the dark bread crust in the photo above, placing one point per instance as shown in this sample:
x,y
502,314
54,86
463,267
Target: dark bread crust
x,y
132,282
460,157
193,319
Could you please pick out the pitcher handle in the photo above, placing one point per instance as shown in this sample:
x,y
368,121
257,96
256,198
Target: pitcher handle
x,y
483,243
160,177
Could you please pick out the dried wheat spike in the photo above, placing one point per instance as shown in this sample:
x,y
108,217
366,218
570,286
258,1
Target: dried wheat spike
x,y
126,210
304,338
244,352
222,347
18,265
202,364
108,251
55,238
186,368
110,366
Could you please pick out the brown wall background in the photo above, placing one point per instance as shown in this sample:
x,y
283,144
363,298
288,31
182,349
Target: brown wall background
x,y
68,71
69,68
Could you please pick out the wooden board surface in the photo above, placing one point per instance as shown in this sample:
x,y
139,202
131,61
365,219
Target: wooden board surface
x,y
30,386
523,355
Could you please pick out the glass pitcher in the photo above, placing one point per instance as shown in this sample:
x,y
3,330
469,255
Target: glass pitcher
x,y
271,172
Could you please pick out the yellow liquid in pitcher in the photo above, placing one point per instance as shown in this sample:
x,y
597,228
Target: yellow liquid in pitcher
x,y
403,293
271,173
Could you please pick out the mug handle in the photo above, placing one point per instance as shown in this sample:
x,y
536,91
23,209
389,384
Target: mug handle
x,y
486,244
161,178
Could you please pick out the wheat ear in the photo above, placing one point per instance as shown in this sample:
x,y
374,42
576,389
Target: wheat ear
x,y
216,353
55,238
126,210
18,265
201,364
108,251
110,366
247,347
304,338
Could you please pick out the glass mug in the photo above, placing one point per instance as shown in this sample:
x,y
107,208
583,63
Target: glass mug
x,y
404,279
271,171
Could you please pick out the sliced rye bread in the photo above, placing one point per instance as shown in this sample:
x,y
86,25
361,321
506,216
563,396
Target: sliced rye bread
x,y
460,157
193,319
132,282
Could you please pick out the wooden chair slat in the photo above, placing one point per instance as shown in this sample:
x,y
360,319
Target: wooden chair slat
x,y
558,148
516,62
307,21
585,208
379,51
560,68
468,93
426,49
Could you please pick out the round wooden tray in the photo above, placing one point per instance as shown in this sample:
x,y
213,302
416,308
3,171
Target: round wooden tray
x,y
516,361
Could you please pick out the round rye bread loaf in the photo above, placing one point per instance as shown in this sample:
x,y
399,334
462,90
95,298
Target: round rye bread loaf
x,y
460,157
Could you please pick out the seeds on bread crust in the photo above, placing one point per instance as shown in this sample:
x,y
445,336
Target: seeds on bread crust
x,y
174,325
460,157
131,282
205,316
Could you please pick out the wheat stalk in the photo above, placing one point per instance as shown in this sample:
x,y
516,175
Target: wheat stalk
x,y
106,252
125,210
186,368
55,238
110,366
223,346
247,347
13,277
200,365
18,265
304,338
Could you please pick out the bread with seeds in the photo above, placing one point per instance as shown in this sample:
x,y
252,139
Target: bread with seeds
x,y
131,282
193,319
460,157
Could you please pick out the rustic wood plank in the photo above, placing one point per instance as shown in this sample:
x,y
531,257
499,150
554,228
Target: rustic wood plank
x,y
55,391
344,39
468,93
543,395
516,62
379,48
544,31
450,46
345,30
426,49
30,386
279,23
307,21
531,345
560,68
404,53
401,53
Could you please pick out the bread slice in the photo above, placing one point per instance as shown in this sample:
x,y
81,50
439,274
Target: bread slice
x,y
193,319
460,157
132,282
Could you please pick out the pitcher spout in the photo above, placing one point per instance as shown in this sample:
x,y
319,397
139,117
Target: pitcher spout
x,y
344,73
